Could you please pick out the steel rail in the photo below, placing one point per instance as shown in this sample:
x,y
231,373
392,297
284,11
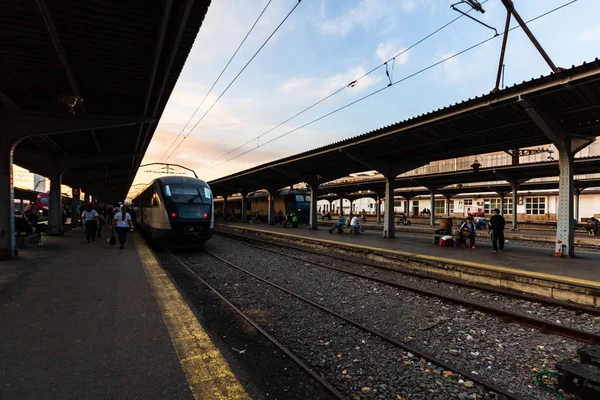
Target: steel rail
x,y
471,285
407,347
277,344
544,326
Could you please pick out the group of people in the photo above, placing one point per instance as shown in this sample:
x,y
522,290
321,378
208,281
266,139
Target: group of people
x,y
93,221
354,224
283,220
468,232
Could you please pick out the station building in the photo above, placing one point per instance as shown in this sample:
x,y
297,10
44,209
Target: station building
x,y
532,205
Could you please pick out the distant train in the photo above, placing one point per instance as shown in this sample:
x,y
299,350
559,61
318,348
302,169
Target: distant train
x,y
176,210
286,200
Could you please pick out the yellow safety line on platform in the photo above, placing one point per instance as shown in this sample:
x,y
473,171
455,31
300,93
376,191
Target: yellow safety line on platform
x,y
207,372
498,268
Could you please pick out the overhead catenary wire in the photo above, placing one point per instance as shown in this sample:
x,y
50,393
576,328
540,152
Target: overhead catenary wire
x,y
393,84
218,78
235,78
351,84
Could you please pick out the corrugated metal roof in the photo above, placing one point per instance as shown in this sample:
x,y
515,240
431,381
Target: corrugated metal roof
x,y
110,48
478,125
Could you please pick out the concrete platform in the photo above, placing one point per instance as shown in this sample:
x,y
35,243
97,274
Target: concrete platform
x,y
526,269
536,235
90,321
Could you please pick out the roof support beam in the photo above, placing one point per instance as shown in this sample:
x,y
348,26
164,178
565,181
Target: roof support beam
x,y
22,125
182,24
40,163
11,105
383,168
562,139
60,53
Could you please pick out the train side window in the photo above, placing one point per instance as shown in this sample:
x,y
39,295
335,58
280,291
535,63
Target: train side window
x,y
299,197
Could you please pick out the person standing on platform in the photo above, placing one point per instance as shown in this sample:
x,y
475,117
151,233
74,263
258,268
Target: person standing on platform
x,y
496,227
90,219
123,224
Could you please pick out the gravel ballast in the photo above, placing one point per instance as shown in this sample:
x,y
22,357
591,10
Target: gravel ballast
x,y
562,316
506,354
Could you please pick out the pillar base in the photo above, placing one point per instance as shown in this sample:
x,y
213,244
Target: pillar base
x,y
5,254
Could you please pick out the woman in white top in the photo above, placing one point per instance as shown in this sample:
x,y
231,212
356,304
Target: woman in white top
x,y
123,224
90,219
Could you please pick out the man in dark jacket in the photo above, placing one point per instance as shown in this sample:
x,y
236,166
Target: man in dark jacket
x,y
496,227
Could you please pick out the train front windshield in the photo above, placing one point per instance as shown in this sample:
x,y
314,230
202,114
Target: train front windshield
x,y
187,194
188,201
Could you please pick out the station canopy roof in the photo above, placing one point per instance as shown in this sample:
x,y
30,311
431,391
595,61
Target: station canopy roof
x,y
522,172
122,58
485,124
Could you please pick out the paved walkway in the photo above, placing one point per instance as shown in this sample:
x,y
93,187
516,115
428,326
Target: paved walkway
x,y
516,258
547,235
88,321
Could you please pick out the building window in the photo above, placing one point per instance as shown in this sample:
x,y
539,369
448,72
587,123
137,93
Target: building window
x,y
440,207
535,205
451,206
508,206
468,202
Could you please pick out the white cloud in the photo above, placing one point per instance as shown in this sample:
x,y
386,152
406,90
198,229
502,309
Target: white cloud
x,y
294,83
591,35
366,13
389,49
324,86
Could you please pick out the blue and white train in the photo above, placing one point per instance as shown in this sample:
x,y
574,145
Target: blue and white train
x,y
176,210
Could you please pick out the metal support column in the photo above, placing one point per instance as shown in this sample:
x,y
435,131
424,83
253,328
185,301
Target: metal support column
x,y
314,198
565,229
244,206
55,204
225,208
7,212
432,210
378,208
388,218
514,186
341,205
271,212
576,211
567,146
448,198
75,207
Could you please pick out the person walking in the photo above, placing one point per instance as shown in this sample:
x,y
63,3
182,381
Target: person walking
x,y
90,219
496,227
122,224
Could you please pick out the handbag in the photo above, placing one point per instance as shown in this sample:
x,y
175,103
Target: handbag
x,y
112,240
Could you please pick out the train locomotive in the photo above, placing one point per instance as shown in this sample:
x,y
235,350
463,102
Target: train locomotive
x,y
176,210
286,200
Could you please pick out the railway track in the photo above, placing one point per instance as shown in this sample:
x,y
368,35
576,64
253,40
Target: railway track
x,y
503,393
451,281
328,387
542,325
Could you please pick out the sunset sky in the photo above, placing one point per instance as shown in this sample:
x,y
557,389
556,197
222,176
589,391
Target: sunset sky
x,y
326,44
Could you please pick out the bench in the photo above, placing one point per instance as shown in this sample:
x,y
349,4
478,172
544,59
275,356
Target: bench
x,y
23,239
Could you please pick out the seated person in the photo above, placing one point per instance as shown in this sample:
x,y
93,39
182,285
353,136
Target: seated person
x,y
22,226
467,231
279,218
338,225
445,227
355,223
592,225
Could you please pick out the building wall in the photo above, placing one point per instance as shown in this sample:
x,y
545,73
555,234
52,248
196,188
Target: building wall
x,y
589,205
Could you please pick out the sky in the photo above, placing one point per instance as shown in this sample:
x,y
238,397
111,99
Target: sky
x,y
326,44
